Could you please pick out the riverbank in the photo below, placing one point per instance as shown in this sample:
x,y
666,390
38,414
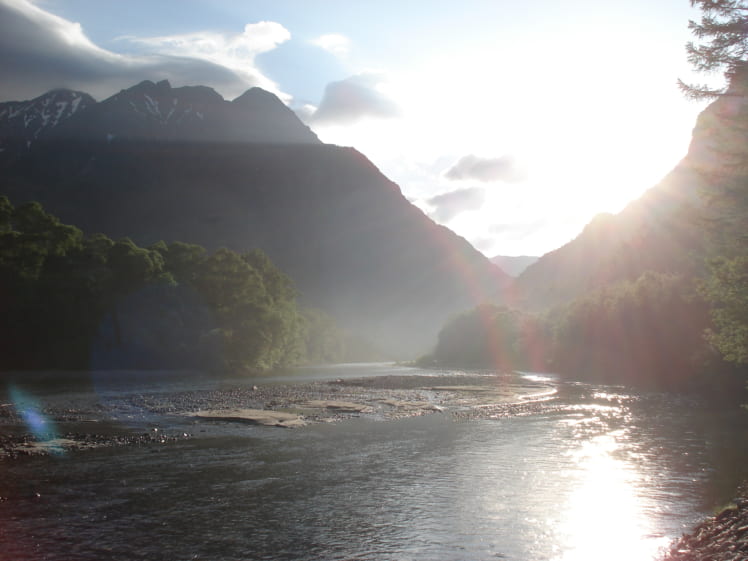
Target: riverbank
x,y
48,422
723,537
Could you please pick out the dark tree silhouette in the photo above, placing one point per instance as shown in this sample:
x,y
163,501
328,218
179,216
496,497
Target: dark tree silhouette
x,y
721,46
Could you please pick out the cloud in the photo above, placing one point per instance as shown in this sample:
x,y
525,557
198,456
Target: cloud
x,y
306,112
519,230
40,51
333,43
504,168
483,244
354,98
235,51
448,205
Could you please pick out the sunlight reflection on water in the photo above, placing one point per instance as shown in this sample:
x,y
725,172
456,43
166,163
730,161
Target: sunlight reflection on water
x,y
605,512
606,509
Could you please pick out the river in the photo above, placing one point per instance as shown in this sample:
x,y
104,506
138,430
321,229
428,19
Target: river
x,y
596,473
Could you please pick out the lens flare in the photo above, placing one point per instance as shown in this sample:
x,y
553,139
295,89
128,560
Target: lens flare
x,y
38,424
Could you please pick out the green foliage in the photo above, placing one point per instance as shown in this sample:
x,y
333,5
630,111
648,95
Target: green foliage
x,y
727,290
181,259
648,332
725,173
722,35
491,336
69,301
34,248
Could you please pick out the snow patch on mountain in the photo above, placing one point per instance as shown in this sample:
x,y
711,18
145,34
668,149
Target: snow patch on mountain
x,y
27,120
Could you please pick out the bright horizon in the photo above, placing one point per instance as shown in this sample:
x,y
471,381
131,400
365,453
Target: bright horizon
x,y
512,125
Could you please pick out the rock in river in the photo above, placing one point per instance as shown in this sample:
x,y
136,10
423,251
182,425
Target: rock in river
x,y
339,406
254,416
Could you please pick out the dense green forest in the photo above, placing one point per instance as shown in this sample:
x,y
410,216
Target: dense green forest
x,y
75,301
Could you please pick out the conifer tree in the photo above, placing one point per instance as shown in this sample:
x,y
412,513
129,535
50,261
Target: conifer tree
x,y
722,44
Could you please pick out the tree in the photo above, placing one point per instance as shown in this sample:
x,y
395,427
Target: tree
x,y
727,289
490,336
722,33
644,332
69,301
723,46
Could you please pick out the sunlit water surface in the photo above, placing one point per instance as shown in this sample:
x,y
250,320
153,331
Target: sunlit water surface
x,y
600,473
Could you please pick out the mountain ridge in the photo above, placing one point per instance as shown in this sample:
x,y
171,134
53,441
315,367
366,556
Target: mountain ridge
x,y
156,111
324,214
661,231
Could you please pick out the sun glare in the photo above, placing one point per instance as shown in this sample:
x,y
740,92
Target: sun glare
x,y
604,512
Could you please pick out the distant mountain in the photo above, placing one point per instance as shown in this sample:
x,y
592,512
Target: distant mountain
x,y
151,112
140,164
22,122
513,265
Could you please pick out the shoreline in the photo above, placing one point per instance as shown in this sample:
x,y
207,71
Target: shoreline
x,y
722,537
84,419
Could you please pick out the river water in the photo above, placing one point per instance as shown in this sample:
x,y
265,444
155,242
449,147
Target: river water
x,y
595,473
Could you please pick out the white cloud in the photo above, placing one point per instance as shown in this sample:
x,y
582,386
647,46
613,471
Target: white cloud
x,y
236,51
449,205
504,168
354,98
335,43
306,111
42,51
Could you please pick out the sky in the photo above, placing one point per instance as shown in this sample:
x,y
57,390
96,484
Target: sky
x,y
512,123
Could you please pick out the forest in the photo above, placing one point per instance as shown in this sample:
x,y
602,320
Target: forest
x,y
73,301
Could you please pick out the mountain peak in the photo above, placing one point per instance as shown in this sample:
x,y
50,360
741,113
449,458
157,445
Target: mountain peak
x,y
256,94
264,111
22,122
155,111
148,85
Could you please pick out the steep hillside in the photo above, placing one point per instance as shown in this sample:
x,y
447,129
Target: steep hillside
x,y
324,214
661,232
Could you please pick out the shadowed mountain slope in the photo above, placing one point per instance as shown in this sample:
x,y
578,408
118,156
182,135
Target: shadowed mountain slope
x,y
324,214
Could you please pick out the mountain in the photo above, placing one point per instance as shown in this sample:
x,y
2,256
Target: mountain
x,y
255,176
22,122
151,111
662,231
654,233
658,232
513,265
